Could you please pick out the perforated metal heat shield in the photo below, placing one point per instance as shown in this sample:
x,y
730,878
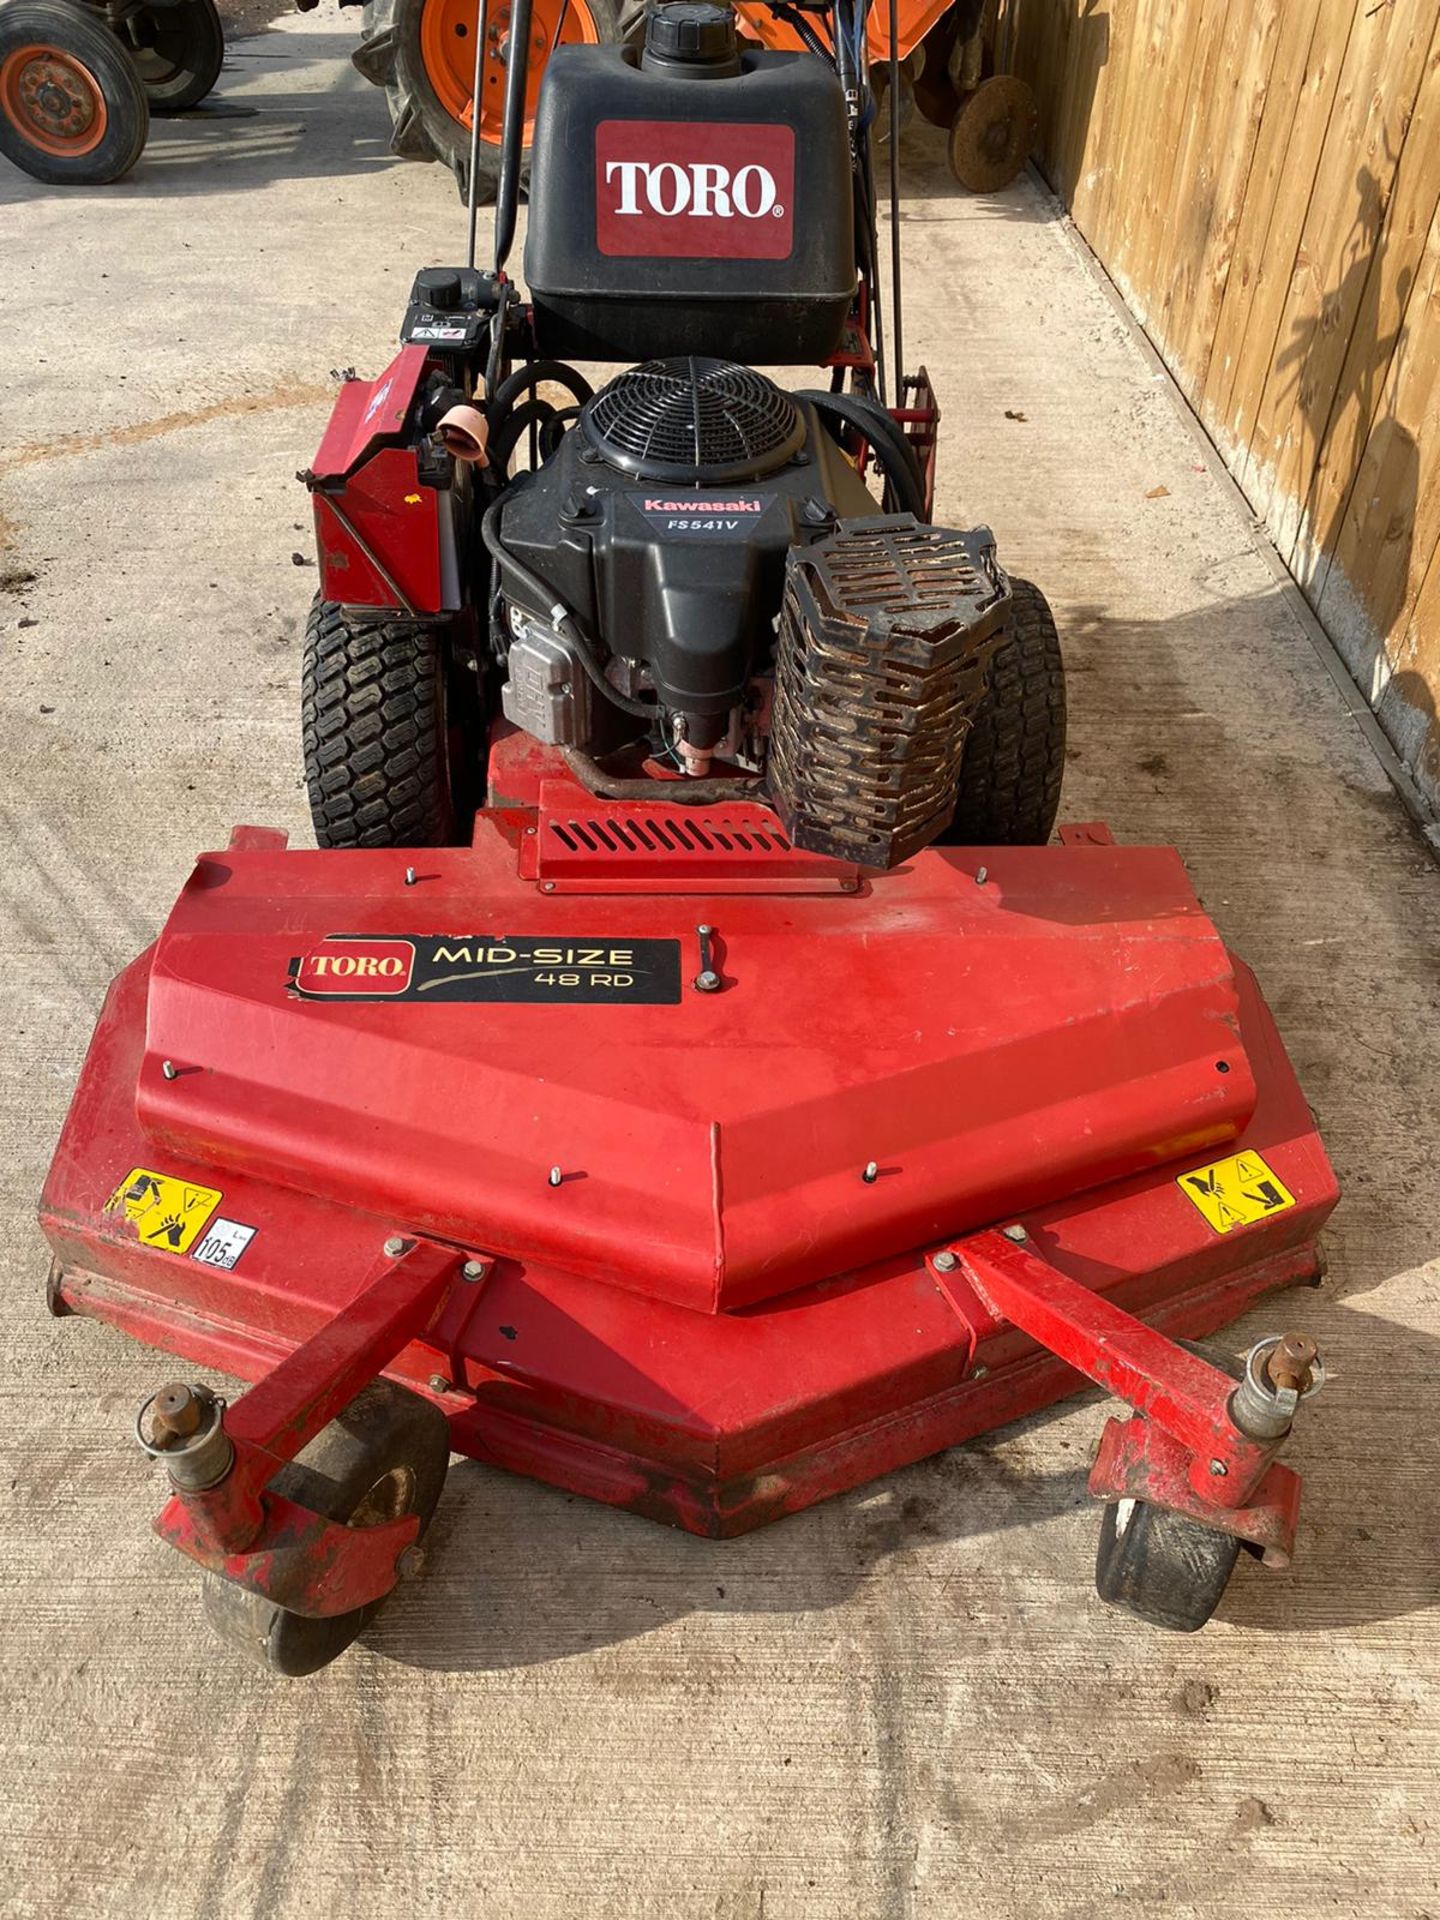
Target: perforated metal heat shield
x,y
885,635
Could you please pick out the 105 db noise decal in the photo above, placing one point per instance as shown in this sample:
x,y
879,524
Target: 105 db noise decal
x,y
487,967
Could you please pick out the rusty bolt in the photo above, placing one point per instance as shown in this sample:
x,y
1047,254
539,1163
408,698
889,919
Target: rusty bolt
x,y
410,1563
1289,1367
178,1411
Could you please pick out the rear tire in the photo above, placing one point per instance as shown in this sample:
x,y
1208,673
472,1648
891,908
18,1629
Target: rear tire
x,y
1014,758
423,106
1162,1566
378,751
383,1457
178,52
72,109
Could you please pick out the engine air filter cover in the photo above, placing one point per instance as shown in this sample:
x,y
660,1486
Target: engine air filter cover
x,y
694,422
886,634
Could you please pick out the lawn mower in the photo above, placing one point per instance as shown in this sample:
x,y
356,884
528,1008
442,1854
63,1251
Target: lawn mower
x,y
684,1073
79,80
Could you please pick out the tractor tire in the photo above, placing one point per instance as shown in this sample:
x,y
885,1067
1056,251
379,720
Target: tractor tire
x,y
1014,759
72,109
383,1457
422,53
178,52
1162,1566
374,713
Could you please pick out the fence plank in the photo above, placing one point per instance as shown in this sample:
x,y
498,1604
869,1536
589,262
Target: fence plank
x,y
1308,54
1373,104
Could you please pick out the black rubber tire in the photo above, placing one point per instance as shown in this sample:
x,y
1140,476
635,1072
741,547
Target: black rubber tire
x,y
81,36
1014,759
178,52
385,1456
1162,1566
376,738
421,127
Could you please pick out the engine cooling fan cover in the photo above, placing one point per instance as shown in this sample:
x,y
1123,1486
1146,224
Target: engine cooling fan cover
x,y
693,421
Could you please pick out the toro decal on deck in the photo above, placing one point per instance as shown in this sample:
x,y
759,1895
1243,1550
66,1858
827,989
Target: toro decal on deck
x,y
677,189
487,967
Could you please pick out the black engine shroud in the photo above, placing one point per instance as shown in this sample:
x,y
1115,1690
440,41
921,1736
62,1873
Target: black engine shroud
x,y
663,524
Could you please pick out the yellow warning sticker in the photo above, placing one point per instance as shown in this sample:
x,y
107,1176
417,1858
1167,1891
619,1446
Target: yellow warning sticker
x,y
165,1212
1235,1192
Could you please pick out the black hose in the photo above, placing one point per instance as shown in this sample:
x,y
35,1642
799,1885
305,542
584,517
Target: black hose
x,y
512,129
529,376
564,621
892,450
504,439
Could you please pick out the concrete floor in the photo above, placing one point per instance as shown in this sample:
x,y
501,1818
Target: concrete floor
x,y
906,1702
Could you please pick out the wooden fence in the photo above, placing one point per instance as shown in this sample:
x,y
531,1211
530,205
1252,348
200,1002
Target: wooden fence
x,y
1261,178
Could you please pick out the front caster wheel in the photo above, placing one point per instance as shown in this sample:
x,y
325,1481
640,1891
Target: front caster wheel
x,y
385,1456
1161,1565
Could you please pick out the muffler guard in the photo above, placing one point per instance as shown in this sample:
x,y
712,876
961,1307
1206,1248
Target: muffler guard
x,y
703,1216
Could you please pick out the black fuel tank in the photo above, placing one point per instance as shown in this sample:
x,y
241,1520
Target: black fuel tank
x,y
696,199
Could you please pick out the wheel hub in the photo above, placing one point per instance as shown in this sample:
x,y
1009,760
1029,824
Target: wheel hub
x,y
53,100
447,46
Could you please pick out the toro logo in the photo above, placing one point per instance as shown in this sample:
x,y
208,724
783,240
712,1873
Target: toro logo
x,y
682,190
339,966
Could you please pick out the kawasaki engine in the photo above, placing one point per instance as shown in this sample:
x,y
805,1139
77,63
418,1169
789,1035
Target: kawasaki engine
x,y
700,569
663,524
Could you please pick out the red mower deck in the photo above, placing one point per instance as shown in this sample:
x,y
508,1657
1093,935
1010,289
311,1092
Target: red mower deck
x,y
726,1247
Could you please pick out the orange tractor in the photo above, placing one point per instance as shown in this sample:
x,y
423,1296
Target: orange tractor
x,y
424,53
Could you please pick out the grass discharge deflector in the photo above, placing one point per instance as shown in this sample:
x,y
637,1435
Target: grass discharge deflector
x,y
686,1073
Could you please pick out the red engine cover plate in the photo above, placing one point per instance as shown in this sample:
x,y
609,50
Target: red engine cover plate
x,y
987,1046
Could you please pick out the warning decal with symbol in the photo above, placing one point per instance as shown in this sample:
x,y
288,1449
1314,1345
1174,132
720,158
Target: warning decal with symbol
x,y
1235,1192
165,1212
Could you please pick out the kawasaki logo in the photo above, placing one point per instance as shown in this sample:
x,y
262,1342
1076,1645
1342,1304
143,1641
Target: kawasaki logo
x,y
698,505
681,189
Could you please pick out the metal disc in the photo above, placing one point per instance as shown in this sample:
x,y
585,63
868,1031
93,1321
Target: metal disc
x,y
993,132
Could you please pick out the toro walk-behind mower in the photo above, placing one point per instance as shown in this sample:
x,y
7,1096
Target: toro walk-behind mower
x,y
684,1074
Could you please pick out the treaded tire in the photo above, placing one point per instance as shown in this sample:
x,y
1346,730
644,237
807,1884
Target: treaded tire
x,y
373,711
389,55
83,41
178,52
1014,759
1162,1566
384,1456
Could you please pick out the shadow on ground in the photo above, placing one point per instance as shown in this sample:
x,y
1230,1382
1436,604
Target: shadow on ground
x,y
323,121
